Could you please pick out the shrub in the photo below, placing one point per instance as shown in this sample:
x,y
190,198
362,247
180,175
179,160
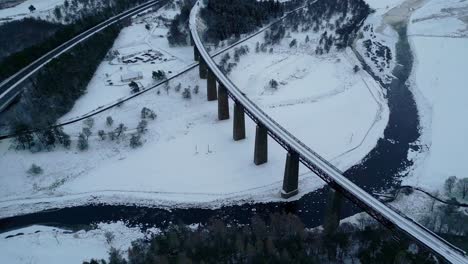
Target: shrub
x,y
178,87
135,141
102,134
109,121
134,88
186,94
35,170
356,68
141,128
82,142
273,84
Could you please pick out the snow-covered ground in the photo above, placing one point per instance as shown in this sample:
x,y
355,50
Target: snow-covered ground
x,y
438,33
43,9
48,245
189,157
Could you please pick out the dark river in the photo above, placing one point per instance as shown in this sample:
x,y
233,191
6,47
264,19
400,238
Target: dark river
x,y
379,170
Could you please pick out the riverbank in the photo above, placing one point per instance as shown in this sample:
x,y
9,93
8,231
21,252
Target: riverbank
x,y
437,35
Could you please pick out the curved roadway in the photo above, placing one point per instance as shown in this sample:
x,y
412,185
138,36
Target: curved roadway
x,y
323,168
10,88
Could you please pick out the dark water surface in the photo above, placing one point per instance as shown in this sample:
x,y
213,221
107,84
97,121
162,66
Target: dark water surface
x,y
378,171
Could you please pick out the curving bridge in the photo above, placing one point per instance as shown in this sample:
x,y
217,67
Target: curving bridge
x,y
299,152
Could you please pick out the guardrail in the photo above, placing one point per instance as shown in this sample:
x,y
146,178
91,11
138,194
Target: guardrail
x,y
322,167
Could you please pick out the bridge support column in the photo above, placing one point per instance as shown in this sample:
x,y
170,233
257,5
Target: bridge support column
x,y
196,54
211,93
239,122
332,216
261,145
202,68
291,175
223,103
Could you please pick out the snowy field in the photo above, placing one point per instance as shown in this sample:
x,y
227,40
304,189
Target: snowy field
x,y
439,81
49,245
43,9
189,157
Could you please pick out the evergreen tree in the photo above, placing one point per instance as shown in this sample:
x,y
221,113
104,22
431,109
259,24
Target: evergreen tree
x,y
109,121
186,94
82,142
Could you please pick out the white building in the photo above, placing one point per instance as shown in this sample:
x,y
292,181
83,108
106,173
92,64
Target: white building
x,y
131,76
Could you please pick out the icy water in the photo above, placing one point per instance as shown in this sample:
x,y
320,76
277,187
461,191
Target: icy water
x,y
378,171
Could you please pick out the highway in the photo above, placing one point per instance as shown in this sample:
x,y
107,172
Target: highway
x,y
324,169
11,87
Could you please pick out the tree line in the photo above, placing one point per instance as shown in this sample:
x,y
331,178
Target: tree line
x,y
281,238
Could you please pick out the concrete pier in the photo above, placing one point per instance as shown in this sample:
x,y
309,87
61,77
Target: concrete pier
x,y
196,54
239,122
211,92
202,69
291,175
223,103
261,145
332,216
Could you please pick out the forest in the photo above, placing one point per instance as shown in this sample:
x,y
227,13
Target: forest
x,y
17,35
226,18
282,238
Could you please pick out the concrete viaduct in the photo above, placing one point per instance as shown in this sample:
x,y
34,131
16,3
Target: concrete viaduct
x,y
220,88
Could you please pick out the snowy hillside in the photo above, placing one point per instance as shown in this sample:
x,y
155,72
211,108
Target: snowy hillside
x,y
339,113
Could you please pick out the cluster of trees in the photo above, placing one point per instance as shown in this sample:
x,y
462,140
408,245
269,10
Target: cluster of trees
x,y
159,75
456,188
337,22
118,133
227,18
225,63
447,220
275,34
279,239
186,92
376,50
134,87
51,138
351,14
178,34
40,140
